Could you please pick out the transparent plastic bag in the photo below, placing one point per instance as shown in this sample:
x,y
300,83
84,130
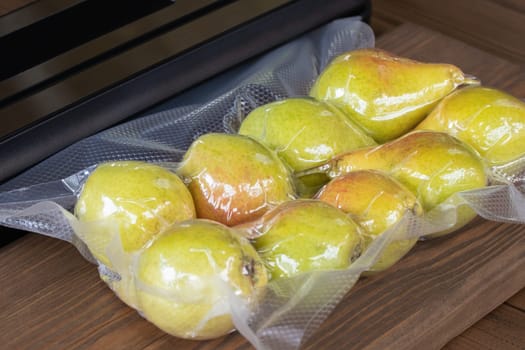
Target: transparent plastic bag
x,y
285,312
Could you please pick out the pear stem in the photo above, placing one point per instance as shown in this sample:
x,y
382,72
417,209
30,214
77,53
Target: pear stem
x,y
321,169
470,80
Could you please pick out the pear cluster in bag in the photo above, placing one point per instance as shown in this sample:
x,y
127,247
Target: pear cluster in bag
x,y
307,184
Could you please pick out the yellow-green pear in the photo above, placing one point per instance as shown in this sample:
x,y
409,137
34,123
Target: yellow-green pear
x,y
128,203
304,132
121,207
306,235
489,120
186,277
385,94
433,165
375,201
233,178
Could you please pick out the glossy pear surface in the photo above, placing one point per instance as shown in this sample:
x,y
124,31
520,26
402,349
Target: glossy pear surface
x,y
433,165
375,201
489,120
133,200
233,178
185,277
306,235
304,132
385,94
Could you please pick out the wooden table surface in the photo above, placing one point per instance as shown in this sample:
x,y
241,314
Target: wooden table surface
x,y
50,298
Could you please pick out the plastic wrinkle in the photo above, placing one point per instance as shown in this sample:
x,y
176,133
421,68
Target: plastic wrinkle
x,y
278,325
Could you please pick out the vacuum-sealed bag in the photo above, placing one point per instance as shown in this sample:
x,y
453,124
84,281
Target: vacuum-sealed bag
x,y
203,230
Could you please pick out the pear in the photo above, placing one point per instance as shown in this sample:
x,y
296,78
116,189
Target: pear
x,y
130,202
385,94
304,132
306,235
432,165
122,206
233,178
185,279
375,201
489,120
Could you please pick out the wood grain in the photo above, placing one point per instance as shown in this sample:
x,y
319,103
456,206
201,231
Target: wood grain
x,y
504,328
434,294
514,5
11,5
518,301
492,25
50,298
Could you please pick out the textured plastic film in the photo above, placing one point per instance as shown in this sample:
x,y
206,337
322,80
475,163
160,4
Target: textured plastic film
x,y
291,309
286,311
